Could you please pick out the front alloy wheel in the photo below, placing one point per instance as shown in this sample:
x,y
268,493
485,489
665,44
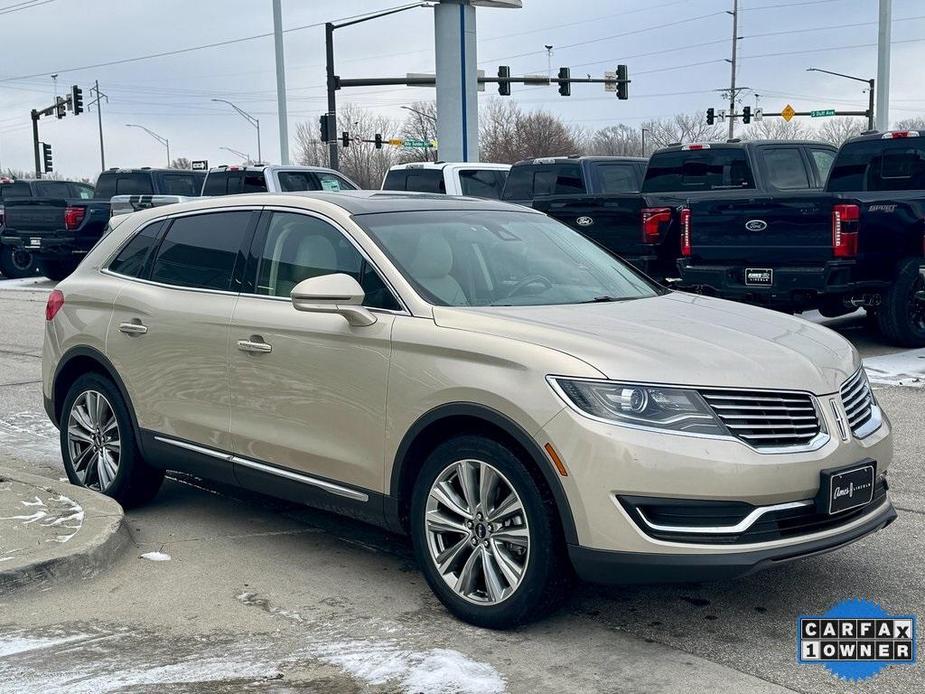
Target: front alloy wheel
x,y
477,532
94,441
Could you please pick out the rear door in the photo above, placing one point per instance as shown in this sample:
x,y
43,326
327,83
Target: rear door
x,y
168,338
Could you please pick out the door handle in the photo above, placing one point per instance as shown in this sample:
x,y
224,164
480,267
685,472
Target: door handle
x,y
254,346
133,328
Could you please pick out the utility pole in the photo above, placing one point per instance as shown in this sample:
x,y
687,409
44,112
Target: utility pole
x,y
884,36
732,79
280,84
332,95
99,119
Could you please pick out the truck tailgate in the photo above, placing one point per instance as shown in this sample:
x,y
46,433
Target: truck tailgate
x,y
769,230
36,215
614,220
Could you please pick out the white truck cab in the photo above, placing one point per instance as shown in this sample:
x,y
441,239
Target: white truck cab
x,y
273,178
476,179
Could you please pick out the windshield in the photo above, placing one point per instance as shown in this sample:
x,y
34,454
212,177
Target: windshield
x,y
499,258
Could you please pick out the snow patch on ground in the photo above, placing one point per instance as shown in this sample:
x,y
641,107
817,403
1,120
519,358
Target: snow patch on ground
x,y
28,284
14,645
155,556
899,369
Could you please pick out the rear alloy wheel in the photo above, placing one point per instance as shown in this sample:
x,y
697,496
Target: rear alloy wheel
x,y
98,443
487,535
17,262
902,314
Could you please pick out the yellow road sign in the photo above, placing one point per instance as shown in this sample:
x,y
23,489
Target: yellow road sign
x,y
396,142
787,113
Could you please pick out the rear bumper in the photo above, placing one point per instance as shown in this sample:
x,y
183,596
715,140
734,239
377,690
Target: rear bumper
x,y
602,566
794,287
42,244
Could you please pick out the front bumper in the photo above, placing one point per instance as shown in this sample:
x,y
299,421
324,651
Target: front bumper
x,y
793,287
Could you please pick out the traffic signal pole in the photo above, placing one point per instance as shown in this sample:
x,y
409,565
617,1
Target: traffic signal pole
x,y
35,143
732,81
332,93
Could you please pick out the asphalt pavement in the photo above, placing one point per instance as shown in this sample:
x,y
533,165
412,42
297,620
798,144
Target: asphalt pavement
x,y
220,590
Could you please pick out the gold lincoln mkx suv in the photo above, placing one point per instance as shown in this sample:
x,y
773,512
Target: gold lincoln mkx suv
x,y
522,403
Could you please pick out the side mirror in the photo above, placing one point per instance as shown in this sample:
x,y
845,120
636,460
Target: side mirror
x,y
338,293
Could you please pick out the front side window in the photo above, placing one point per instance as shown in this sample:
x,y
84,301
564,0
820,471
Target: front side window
x,y
133,258
500,258
786,170
297,247
330,182
200,251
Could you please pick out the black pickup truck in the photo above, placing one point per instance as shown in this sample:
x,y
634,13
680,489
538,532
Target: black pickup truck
x,y
858,243
59,228
18,262
645,228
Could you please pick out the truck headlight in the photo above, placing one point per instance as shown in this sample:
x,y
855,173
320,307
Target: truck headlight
x,y
651,407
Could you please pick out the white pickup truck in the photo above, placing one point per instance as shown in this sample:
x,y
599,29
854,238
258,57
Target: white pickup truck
x,y
476,179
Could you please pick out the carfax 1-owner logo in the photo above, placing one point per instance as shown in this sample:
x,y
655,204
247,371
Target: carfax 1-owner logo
x,y
856,639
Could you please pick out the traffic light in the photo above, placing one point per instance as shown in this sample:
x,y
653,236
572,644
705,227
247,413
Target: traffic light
x,y
623,87
504,84
746,114
46,158
326,129
378,140
565,85
77,100
345,139
711,116
60,107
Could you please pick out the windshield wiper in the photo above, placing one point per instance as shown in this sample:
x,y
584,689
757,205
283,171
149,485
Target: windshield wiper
x,y
603,299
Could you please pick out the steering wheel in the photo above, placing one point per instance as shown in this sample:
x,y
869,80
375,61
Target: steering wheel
x,y
526,282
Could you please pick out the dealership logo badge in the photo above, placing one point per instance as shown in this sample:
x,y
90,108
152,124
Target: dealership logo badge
x,y
584,221
856,639
756,225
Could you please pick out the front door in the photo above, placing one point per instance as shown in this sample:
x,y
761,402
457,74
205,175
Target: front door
x,y
308,390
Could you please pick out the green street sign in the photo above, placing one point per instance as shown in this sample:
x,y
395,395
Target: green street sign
x,y
822,113
423,144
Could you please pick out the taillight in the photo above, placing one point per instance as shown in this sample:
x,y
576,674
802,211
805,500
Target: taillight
x,y
694,147
685,232
652,220
845,230
73,216
54,304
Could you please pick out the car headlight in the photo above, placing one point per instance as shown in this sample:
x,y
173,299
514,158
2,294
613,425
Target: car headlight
x,y
652,407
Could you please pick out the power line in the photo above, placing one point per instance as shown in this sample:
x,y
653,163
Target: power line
x,y
18,7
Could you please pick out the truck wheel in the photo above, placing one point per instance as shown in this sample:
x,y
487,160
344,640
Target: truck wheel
x,y
902,314
57,270
17,262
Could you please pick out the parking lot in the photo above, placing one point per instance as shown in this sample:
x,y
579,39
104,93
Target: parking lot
x,y
263,595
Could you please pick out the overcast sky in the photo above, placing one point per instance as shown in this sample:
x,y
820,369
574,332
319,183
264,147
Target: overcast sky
x,y
676,54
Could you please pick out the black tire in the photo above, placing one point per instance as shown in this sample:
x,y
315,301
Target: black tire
x,y
57,270
135,482
17,262
901,316
547,571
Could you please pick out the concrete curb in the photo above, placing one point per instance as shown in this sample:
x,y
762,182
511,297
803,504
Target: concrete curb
x,y
101,538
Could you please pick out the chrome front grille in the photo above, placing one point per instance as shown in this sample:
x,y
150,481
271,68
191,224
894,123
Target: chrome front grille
x,y
766,419
858,401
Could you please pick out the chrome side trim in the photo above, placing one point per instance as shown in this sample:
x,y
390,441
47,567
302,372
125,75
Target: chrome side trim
x,y
280,472
739,527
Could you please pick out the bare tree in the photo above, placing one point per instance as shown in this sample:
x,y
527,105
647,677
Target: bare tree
x,y
616,140
917,123
837,130
683,127
509,134
420,124
181,163
310,150
772,128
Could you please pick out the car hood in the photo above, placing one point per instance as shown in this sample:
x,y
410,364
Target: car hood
x,y
676,338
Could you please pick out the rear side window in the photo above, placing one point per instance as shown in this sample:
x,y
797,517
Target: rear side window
x,y
616,178
786,170
133,258
877,165
293,181
484,183
201,251
705,169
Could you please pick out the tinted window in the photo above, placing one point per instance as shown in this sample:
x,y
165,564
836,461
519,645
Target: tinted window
x,y
823,158
484,183
134,184
877,165
201,251
706,169
786,170
298,247
255,182
106,186
425,181
617,178
519,184
52,189
291,181
133,257
532,181
84,191
569,180
394,180
15,190
216,183
180,184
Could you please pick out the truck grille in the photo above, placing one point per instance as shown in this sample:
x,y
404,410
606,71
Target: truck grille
x,y
857,400
766,419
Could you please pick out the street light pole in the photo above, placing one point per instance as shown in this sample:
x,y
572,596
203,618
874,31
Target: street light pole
x,y
163,140
245,157
871,84
250,119
282,111
644,141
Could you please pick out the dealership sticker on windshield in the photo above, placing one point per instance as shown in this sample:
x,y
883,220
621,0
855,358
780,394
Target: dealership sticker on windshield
x,y
856,639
